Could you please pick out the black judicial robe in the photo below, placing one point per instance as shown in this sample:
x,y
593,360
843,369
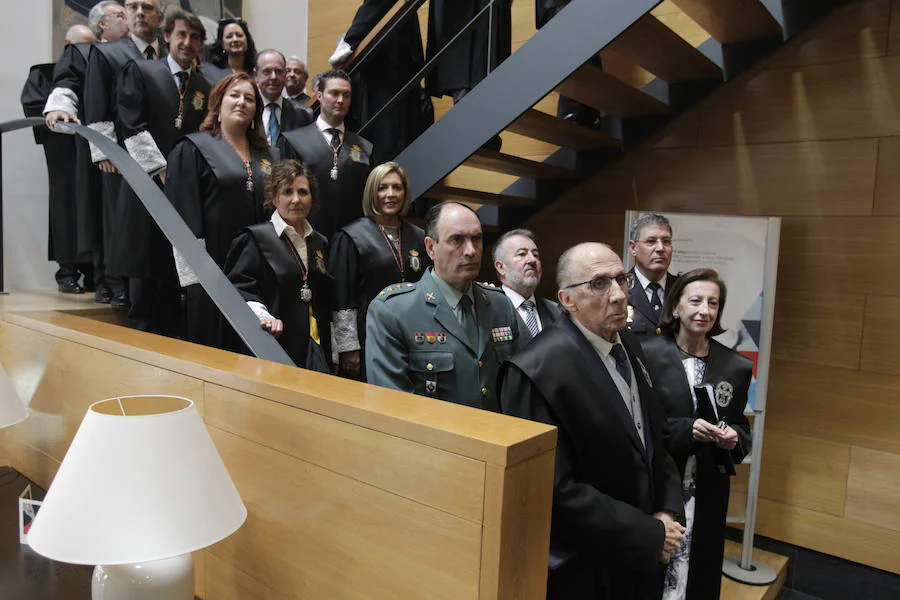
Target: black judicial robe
x,y
711,487
263,269
604,542
207,183
147,106
339,202
70,73
59,152
465,64
384,74
544,10
363,265
105,62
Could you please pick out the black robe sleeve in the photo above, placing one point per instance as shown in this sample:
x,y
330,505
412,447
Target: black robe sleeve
x,y
244,267
366,18
99,99
343,264
133,119
585,518
189,181
69,70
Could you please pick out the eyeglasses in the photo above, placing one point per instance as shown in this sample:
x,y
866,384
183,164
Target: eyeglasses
x,y
600,285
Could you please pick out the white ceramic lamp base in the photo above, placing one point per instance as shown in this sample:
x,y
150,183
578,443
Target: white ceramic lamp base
x,y
166,579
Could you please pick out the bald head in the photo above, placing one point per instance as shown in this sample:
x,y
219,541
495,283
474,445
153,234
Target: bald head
x,y
592,289
79,34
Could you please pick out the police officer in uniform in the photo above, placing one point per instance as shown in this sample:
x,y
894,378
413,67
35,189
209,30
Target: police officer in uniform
x,y
444,336
650,241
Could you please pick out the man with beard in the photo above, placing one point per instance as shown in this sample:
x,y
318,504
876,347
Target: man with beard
x,y
444,336
650,241
279,113
518,265
158,102
66,103
340,159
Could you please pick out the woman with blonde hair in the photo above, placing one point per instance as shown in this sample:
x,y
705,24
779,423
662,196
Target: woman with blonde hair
x,y
369,254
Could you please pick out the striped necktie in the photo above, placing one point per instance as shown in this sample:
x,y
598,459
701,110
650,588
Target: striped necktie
x,y
531,318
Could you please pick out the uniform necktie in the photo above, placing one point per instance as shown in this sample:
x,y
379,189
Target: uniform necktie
x,y
182,79
656,299
622,366
274,126
335,138
149,52
467,319
530,319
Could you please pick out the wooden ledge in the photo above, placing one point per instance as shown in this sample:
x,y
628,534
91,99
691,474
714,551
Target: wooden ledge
x,y
482,435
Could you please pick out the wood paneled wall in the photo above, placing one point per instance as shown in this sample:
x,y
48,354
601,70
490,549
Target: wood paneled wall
x,y
353,491
812,135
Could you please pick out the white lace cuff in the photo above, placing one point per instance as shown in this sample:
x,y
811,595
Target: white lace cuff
x,y
341,53
259,309
65,100
143,149
109,130
346,336
186,275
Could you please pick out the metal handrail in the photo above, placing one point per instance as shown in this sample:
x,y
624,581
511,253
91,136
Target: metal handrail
x,y
211,277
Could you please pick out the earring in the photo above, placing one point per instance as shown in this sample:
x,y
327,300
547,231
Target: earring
x,y
674,316
219,118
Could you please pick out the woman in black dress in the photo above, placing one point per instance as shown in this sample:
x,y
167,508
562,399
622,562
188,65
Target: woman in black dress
x,y
280,269
683,357
215,180
369,254
234,50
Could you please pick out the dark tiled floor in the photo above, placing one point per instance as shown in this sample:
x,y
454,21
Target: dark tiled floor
x,y
788,594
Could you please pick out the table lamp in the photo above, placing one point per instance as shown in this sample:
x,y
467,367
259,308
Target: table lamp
x,y
141,487
12,409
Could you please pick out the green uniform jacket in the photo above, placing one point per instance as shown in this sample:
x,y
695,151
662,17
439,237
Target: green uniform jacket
x,y
414,343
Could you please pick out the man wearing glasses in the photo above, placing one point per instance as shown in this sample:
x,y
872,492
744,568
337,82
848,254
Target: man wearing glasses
x,y
617,492
650,241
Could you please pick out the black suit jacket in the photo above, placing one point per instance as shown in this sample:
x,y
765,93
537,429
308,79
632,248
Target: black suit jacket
x,y
548,312
293,117
340,201
643,322
604,541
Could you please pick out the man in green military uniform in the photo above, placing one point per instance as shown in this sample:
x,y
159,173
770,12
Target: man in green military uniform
x,y
445,336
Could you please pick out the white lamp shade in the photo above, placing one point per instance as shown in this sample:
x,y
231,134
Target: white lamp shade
x,y
137,487
12,409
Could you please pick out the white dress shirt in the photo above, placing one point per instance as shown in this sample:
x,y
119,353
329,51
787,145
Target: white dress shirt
x,y
142,45
645,282
279,102
629,394
298,241
324,127
517,299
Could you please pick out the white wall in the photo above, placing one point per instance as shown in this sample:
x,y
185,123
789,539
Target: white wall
x,y
279,24
25,41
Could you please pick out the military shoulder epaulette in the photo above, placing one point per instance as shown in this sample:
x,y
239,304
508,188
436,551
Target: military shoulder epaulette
x,y
489,286
396,289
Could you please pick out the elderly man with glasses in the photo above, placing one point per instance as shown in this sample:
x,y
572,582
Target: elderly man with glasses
x,y
617,493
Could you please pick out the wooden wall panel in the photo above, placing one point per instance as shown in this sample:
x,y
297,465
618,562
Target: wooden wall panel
x,y
771,179
837,405
881,342
855,30
873,488
804,472
894,29
430,476
224,582
852,540
348,520
887,184
842,100
839,254
824,328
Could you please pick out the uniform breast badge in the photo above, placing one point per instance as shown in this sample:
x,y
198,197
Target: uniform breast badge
x,y
430,338
414,263
724,393
419,337
320,262
199,101
501,334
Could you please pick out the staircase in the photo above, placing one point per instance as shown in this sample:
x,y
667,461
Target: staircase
x,y
658,58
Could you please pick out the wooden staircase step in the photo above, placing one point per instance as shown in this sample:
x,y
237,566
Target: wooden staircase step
x,y
447,193
731,20
518,167
590,85
658,49
541,126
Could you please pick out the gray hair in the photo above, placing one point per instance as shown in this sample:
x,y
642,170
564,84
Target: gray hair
x,y
645,220
299,60
498,253
98,13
